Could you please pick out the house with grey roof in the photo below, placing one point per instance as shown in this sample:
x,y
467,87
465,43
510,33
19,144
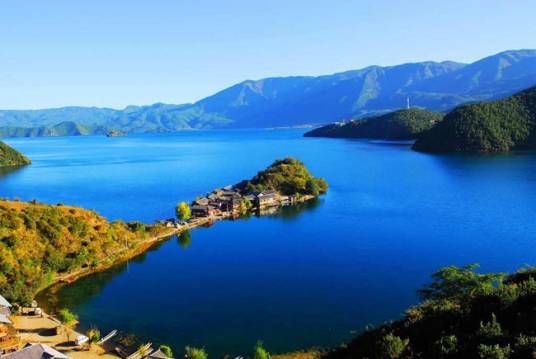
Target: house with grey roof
x,y
36,351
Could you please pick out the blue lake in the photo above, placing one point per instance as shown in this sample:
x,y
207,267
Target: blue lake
x,y
309,276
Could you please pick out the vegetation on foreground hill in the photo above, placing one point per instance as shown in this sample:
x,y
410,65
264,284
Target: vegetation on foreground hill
x,y
41,243
11,157
288,177
399,125
464,314
497,126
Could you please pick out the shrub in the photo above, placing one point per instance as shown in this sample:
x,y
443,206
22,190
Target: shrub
x,y
195,353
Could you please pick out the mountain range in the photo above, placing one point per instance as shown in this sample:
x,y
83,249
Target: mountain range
x,y
299,100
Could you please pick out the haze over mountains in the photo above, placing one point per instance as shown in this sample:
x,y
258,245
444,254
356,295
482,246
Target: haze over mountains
x,y
299,100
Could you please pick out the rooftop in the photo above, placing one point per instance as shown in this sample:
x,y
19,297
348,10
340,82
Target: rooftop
x,y
4,302
36,351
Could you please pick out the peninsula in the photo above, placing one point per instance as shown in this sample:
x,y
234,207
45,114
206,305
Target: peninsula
x,y
45,244
11,157
284,182
486,127
407,124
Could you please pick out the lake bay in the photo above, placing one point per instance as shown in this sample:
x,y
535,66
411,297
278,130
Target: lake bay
x,y
308,276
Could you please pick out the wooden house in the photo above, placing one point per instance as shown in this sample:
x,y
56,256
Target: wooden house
x,y
267,198
203,210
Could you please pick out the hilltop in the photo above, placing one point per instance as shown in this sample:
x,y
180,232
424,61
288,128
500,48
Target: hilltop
x,y
40,244
306,100
11,157
398,125
288,177
497,126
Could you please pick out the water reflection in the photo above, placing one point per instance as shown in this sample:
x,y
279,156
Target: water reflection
x,y
184,239
74,295
6,171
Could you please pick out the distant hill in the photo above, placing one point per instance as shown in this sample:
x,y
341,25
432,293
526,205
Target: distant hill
x,y
497,126
11,157
398,125
66,128
301,100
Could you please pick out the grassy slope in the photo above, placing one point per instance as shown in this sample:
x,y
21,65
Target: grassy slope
x,y
41,243
497,126
11,157
399,125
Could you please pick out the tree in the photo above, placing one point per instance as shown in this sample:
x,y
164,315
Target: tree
x,y
166,349
183,211
447,345
94,335
494,351
68,319
393,346
312,188
195,353
455,282
259,352
245,206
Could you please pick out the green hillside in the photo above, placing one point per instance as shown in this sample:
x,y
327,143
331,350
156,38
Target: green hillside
x,y
497,126
11,157
39,243
399,125
464,314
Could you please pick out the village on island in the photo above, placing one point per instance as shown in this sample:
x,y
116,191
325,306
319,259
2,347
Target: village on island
x,y
230,202
27,332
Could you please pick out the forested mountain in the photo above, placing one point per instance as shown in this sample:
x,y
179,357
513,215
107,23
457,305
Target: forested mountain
x,y
497,126
301,100
398,125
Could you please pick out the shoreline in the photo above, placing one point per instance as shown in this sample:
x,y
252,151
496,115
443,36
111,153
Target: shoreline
x,y
147,244
125,255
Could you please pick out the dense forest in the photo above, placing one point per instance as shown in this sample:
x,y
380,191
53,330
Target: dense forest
x,y
464,314
399,125
289,177
11,157
40,243
497,126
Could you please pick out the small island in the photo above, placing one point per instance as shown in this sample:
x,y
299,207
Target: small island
x,y
10,157
486,127
407,124
113,133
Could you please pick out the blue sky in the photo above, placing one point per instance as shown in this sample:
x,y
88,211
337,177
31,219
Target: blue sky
x,y
114,53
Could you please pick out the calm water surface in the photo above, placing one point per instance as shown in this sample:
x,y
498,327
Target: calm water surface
x,y
302,277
